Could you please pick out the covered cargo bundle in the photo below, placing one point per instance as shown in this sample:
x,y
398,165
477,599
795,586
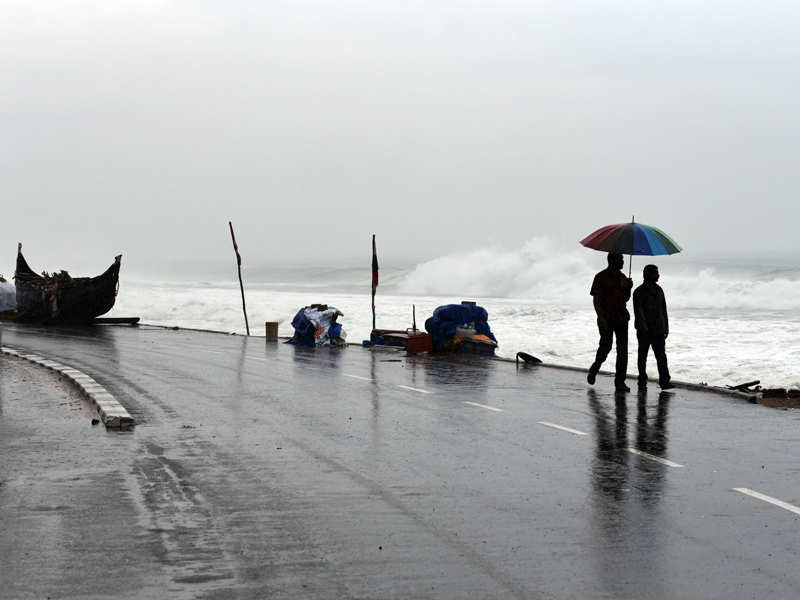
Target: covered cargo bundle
x,y
461,327
8,295
316,326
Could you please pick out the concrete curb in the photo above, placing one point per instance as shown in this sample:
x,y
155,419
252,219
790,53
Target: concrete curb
x,y
112,413
699,387
752,397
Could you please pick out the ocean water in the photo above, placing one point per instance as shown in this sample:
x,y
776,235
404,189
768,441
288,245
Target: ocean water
x,y
729,323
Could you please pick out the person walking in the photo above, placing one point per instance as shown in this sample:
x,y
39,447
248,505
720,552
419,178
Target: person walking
x,y
611,291
652,326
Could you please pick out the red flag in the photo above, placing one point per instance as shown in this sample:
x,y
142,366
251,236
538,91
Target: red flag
x,y
374,266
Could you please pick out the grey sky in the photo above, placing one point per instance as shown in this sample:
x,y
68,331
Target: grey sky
x,y
142,126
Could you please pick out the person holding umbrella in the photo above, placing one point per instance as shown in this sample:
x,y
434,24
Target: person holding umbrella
x,y
611,291
652,326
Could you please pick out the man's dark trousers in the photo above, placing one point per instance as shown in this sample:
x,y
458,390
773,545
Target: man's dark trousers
x,y
618,330
647,340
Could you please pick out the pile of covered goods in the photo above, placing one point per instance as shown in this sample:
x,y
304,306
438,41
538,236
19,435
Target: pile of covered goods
x,y
8,295
316,326
461,328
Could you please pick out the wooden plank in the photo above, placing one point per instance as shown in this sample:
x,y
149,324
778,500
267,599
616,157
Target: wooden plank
x,y
116,321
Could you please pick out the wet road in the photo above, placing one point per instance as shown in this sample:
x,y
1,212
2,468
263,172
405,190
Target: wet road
x,y
261,470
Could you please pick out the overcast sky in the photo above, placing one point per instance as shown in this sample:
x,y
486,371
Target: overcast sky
x,y
143,126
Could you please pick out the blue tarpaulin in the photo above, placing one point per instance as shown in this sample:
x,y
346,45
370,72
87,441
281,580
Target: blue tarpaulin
x,y
305,333
303,330
446,319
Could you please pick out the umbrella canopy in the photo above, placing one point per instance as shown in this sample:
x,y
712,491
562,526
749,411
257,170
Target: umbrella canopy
x,y
631,238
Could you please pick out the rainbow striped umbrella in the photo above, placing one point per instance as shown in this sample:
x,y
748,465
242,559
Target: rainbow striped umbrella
x,y
631,238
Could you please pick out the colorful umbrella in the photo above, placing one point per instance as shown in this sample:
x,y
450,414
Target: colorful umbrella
x,y
631,238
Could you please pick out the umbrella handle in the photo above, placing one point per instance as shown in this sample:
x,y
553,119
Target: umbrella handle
x,y
630,256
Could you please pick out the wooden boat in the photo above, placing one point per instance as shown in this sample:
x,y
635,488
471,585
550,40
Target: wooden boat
x,y
62,299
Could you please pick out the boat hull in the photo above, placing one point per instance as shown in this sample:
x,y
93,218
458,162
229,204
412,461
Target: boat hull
x,y
61,299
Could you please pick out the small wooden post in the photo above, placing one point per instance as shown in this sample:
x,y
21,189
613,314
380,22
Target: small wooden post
x,y
271,331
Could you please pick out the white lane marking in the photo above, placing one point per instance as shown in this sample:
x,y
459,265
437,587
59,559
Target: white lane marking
x,y
484,406
406,387
562,428
357,377
770,499
663,461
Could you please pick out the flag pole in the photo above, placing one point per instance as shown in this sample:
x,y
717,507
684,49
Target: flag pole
x,y
374,278
239,267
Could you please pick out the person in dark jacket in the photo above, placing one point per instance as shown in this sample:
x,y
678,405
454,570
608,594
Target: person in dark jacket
x,y
652,325
611,291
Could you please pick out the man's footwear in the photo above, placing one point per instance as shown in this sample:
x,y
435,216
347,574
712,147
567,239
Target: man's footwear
x,y
668,385
642,383
590,378
621,387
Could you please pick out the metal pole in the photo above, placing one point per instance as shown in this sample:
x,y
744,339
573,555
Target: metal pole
x,y
239,267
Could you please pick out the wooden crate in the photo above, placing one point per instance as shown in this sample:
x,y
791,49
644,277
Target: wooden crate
x,y
419,342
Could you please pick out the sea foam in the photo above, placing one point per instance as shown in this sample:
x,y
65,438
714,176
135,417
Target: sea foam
x,y
541,271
